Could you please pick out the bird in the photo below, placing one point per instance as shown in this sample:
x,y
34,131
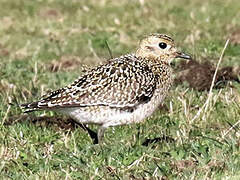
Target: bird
x,y
120,91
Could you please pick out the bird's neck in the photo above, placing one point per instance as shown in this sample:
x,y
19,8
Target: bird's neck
x,y
153,60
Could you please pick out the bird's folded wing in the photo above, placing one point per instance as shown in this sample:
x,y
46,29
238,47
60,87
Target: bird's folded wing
x,y
119,84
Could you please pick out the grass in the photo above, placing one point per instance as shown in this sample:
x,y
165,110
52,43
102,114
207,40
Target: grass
x,y
44,44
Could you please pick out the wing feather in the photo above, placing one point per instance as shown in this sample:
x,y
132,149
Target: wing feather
x,y
120,83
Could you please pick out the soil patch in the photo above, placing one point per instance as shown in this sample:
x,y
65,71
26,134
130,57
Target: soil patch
x,y
199,75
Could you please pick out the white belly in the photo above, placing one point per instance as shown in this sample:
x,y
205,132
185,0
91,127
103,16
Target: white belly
x,y
106,116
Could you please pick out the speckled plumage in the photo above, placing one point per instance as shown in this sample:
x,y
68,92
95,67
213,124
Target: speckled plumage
x,y
123,90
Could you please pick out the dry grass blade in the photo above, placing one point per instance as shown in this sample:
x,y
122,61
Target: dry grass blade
x,y
205,107
231,128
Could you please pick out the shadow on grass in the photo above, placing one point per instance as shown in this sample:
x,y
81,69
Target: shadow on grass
x,y
61,123
162,139
66,124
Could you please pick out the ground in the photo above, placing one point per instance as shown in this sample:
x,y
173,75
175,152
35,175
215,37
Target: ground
x,y
46,44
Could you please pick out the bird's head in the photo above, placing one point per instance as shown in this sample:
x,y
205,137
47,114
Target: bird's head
x,y
159,47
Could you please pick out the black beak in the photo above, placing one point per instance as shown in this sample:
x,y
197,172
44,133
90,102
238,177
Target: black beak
x,y
183,55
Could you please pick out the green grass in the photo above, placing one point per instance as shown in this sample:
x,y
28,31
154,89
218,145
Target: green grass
x,y
36,35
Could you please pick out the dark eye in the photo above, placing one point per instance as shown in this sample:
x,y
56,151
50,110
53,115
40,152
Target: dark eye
x,y
162,45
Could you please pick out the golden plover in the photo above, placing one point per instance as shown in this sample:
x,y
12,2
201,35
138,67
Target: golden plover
x,y
124,90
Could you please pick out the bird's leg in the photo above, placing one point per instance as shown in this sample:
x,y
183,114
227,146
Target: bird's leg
x,y
91,133
100,134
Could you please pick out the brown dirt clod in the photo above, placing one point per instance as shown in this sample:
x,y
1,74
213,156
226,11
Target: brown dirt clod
x,y
64,63
199,75
235,37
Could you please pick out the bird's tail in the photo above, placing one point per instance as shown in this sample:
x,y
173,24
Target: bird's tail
x,y
29,107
